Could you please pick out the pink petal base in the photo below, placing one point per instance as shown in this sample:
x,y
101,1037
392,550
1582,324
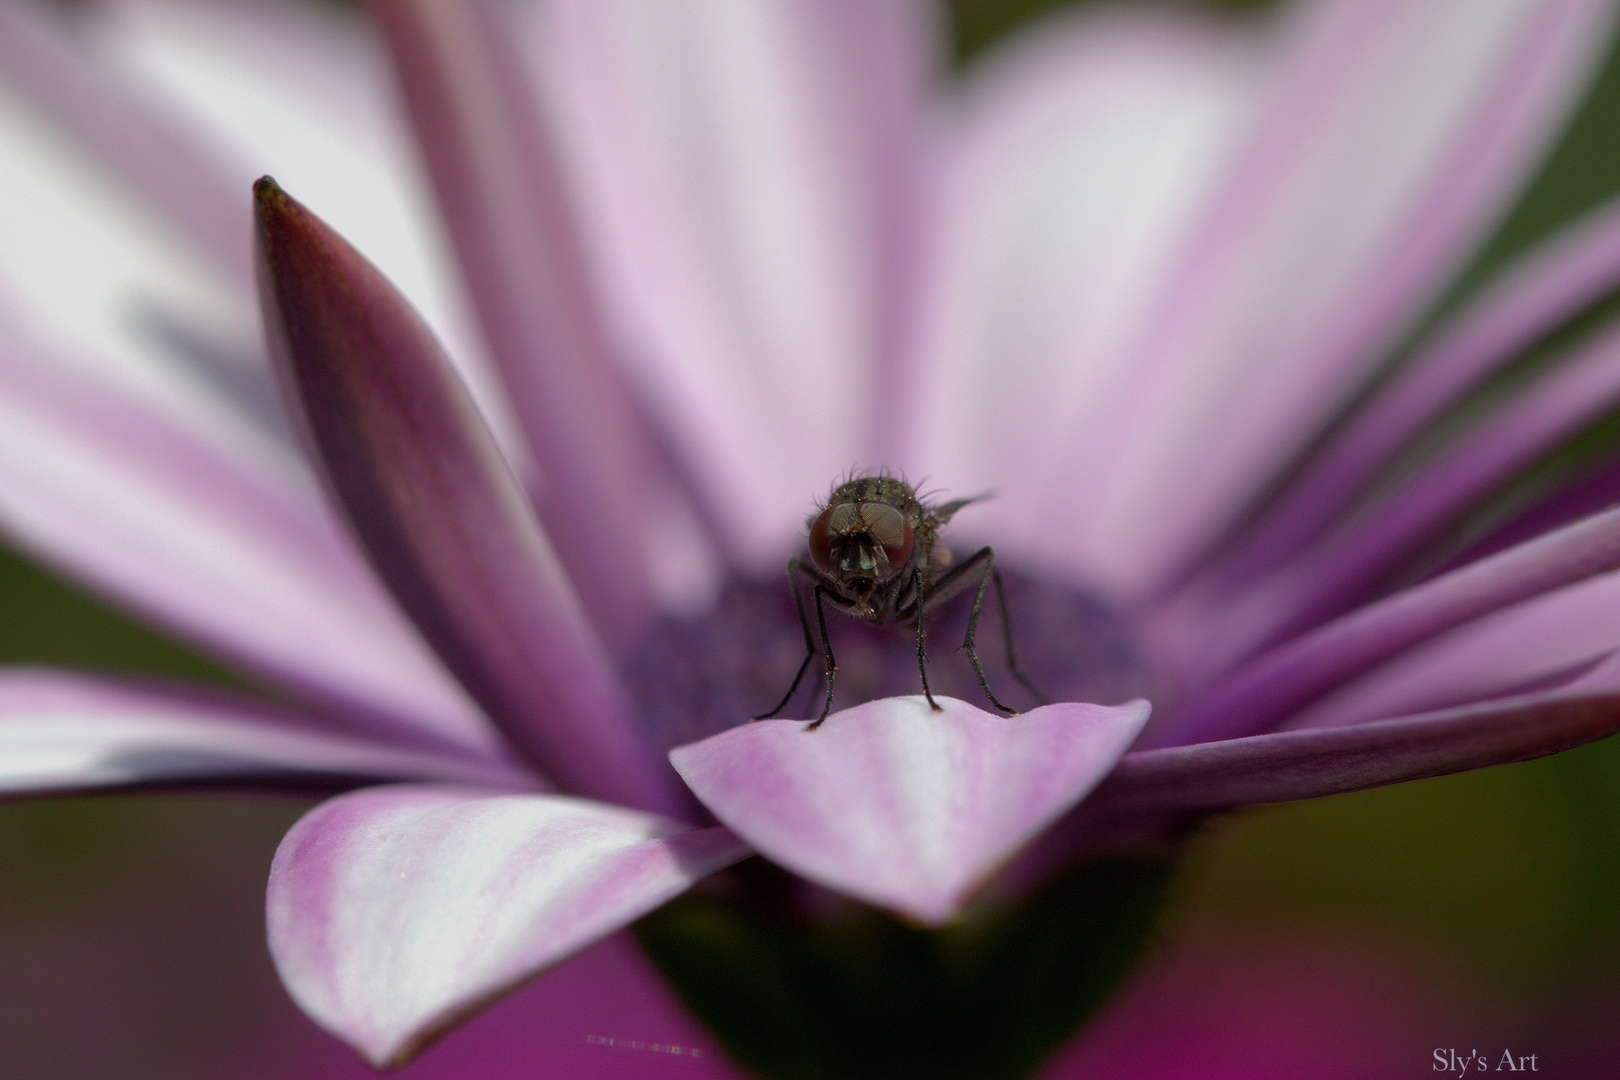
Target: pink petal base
x,y
901,806
395,913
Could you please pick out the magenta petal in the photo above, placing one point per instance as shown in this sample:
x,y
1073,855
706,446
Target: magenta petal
x,y
1260,694
1544,289
441,516
1287,765
505,204
62,732
902,806
395,913
1538,644
1580,390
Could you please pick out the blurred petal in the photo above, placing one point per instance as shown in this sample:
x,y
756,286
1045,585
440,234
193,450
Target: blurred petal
x,y
1254,1004
1286,765
301,91
1333,575
902,806
440,514
748,171
162,160
1533,298
397,912
1070,172
1263,692
492,163
1545,640
1398,131
211,537
64,733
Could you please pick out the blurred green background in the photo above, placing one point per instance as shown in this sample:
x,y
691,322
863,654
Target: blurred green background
x,y
140,919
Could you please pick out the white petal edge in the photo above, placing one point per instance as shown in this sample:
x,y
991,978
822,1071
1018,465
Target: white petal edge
x,y
396,912
61,732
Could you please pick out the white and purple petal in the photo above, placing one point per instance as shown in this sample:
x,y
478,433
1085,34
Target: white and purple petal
x,y
902,806
396,912
494,165
62,733
226,547
1264,692
1068,166
747,173
1395,133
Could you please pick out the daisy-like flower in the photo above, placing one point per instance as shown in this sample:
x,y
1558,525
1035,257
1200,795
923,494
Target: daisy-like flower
x,y
1136,274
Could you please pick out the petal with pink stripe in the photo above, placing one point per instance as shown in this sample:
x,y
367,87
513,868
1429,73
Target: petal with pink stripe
x,y
395,913
1397,132
902,806
747,172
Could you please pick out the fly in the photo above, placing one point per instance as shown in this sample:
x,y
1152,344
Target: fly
x,y
875,554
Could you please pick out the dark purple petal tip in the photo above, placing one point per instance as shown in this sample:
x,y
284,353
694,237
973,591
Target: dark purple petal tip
x,y
415,470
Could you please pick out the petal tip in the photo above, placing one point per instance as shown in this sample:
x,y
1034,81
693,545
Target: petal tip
x,y
901,805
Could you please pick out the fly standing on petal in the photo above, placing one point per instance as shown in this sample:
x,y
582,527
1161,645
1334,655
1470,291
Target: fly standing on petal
x,y
875,554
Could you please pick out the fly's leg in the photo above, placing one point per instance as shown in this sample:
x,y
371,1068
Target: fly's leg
x,y
922,637
826,651
988,557
1007,638
809,644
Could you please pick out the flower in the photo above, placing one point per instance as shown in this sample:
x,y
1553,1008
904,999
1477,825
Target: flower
x,y
1136,279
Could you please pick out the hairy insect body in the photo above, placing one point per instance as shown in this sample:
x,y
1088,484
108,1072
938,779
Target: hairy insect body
x,y
875,554
873,537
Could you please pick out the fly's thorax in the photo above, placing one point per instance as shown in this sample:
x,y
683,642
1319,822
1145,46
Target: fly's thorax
x,y
887,490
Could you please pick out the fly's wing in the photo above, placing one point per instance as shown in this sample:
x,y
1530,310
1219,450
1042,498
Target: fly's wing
x,y
939,515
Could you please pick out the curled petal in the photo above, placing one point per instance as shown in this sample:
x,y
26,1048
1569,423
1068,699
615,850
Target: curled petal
x,y
434,505
61,733
902,806
1287,765
394,913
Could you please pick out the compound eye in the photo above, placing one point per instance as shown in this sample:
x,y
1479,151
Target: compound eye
x,y
821,538
890,528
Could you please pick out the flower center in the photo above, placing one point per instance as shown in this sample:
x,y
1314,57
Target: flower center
x,y
695,676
